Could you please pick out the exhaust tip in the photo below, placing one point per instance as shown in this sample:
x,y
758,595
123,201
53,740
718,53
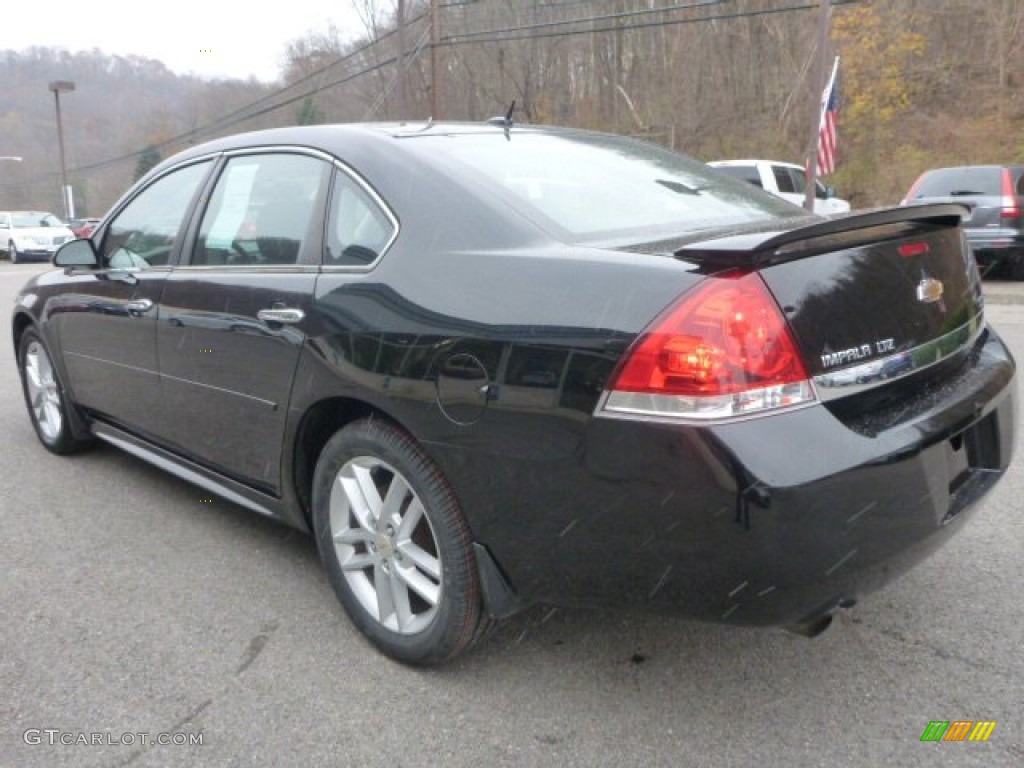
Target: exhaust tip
x,y
812,628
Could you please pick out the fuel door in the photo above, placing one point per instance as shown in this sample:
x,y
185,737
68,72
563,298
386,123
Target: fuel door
x,y
463,388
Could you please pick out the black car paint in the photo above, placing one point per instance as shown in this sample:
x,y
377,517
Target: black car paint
x,y
573,508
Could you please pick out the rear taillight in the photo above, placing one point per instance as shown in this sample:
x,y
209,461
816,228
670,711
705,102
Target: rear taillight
x,y
722,350
1011,205
912,193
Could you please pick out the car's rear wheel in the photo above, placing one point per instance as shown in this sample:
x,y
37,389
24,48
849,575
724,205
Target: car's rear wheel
x,y
45,396
396,547
1016,260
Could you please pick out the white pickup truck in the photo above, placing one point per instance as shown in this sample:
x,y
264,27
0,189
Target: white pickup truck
x,y
785,180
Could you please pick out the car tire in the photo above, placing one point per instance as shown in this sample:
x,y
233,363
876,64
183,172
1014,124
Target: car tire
x,y
45,396
396,547
1016,265
12,251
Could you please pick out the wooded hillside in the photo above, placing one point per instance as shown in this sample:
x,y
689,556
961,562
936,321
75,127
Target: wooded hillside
x,y
925,83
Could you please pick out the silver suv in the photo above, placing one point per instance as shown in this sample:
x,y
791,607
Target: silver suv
x,y
994,225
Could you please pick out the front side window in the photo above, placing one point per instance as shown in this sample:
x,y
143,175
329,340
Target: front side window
x,y
358,230
262,211
144,233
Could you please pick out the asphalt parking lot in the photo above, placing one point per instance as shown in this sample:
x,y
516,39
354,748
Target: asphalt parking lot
x,y
134,604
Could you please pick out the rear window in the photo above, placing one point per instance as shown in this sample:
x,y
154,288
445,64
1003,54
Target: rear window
x,y
947,182
597,187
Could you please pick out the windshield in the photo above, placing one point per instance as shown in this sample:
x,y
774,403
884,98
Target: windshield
x,y
597,187
27,220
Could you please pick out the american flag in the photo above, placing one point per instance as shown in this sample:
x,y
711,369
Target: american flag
x,y
827,126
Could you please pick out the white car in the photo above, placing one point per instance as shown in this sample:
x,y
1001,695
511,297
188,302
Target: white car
x,y
785,180
32,234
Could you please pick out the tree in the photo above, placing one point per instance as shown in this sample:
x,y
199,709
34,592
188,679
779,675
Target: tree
x,y
309,113
149,158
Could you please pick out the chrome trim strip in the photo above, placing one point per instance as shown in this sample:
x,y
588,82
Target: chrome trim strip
x,y
882,370
116,364
269,268
602,411
270,404
109,434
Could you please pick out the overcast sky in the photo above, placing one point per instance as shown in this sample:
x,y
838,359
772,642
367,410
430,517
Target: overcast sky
x,y
209,38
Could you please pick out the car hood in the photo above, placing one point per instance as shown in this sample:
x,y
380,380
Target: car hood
x,y
19,232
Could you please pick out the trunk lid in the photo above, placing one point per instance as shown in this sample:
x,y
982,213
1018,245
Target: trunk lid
x,y
869,297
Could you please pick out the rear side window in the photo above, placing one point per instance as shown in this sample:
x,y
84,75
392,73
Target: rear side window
x,y
358,229
263,211
950,182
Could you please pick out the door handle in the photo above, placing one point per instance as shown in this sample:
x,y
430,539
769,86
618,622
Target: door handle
x,y
138,307
281,315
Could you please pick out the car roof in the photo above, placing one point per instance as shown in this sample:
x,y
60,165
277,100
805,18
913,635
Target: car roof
x,y
342,138
985,167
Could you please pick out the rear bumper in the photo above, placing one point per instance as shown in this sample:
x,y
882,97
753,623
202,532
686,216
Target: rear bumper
x,y
995,242
769,521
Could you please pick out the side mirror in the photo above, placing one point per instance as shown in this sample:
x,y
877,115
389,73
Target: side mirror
x,y
830,192
77,253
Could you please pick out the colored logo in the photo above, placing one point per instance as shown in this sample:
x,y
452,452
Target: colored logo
x,y
958,730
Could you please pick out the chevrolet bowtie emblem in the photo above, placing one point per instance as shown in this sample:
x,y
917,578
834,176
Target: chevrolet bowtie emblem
x,y
929,290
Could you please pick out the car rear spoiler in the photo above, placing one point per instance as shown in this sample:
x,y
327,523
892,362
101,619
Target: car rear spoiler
x,y
760,249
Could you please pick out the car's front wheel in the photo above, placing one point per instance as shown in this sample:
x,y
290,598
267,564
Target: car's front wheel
x,y
396,547
45,396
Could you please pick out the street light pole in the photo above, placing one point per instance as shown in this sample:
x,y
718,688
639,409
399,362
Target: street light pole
x,y
57,86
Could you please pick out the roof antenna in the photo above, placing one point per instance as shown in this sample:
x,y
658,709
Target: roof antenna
x,y
505,121
429,124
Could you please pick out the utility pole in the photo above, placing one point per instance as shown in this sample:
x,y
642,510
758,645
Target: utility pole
x,y
65,191
436,104
400,62
811,159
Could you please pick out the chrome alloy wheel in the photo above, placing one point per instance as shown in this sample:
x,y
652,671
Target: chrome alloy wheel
x,y
385,545
43,392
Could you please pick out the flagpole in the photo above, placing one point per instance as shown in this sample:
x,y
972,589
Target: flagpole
x,y
811,158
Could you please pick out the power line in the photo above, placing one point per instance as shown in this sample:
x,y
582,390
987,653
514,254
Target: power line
x,y
239,115
602,17
244,114
497,36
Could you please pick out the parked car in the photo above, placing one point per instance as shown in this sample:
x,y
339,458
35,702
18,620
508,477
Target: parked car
x,y
994,223
488,366
785,180
31,235
83,227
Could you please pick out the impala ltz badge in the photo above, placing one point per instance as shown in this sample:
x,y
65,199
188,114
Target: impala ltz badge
x,y
929,290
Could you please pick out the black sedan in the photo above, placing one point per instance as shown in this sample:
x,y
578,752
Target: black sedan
x,y
490,365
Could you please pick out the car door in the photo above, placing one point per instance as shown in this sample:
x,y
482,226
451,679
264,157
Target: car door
x,y
107,323
233,317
